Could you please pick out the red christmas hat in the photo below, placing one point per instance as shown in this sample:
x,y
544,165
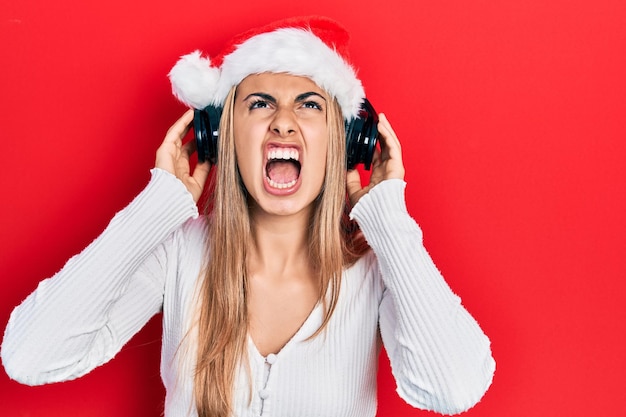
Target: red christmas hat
x,y
314,47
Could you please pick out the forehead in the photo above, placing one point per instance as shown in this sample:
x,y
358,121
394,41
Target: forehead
x,y
279,85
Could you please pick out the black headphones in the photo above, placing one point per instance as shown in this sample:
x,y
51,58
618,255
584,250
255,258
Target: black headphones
x,y
361,135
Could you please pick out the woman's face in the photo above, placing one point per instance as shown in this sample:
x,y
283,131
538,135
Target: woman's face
x,y
281,141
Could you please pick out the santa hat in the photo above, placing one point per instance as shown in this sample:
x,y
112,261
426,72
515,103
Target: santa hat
x,y
314,47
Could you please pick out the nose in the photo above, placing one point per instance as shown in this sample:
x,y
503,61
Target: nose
x,y
284,123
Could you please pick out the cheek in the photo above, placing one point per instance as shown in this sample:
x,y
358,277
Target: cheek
x,y
248,163
319,146
318,150
248,143
244,158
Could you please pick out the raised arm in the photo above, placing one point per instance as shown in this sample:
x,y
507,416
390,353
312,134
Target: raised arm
x,y
81,317
440,358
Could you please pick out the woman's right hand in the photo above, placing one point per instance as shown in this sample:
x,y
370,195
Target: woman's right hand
x,y
173,156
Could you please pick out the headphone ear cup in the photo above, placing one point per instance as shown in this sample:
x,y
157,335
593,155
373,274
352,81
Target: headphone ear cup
x,y
214,114
353,137
200,134
361,137
206,131
370,134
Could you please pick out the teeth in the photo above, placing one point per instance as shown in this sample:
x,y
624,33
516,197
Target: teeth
x,y
281,186
283,154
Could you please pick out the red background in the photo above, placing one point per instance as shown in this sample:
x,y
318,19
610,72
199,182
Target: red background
x,y
511,115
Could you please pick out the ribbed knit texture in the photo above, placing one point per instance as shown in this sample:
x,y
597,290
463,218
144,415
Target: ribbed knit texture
x,y
148,260
440,358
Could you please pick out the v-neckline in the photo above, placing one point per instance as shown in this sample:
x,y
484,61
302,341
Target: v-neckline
x,y
310,325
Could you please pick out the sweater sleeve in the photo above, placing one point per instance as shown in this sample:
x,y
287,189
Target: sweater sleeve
x,y
440,358
82,316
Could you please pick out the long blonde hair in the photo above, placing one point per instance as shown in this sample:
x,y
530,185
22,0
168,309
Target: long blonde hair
x,y
223,310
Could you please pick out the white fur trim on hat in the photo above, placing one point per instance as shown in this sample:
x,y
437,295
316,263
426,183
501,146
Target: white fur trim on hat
x,y
297,52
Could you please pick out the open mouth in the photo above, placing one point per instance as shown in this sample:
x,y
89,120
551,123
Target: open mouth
x,y
282,167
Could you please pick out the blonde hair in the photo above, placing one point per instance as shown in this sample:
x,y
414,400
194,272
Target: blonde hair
x,y
223,310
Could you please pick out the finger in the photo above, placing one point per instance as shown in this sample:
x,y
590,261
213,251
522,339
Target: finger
x,y
201,173
189,148
387,132
201,170
168,153
376,158
392,146
383,123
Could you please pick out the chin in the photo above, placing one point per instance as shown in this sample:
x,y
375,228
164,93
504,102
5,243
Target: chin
x,y
286,202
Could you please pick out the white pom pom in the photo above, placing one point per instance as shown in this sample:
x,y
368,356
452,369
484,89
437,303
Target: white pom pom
x,y
194,80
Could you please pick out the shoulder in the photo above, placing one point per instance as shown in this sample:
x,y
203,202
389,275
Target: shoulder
x,y
192,234
195,228
363,275
366,264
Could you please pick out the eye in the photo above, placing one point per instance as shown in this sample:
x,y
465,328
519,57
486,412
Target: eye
x,y
258,104
312,105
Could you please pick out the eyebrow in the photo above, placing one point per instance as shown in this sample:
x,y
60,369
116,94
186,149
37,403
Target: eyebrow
x,y
299,98
304,96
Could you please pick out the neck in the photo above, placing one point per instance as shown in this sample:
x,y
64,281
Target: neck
x,y
280,243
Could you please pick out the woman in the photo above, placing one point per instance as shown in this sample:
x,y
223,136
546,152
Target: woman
x,y
273,304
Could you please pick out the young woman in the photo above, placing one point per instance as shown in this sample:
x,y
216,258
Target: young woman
x,y
274,303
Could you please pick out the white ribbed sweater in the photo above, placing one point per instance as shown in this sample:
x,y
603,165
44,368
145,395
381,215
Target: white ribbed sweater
x,y
148,260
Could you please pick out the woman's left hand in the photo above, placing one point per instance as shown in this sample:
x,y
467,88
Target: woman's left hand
x,y
386,163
